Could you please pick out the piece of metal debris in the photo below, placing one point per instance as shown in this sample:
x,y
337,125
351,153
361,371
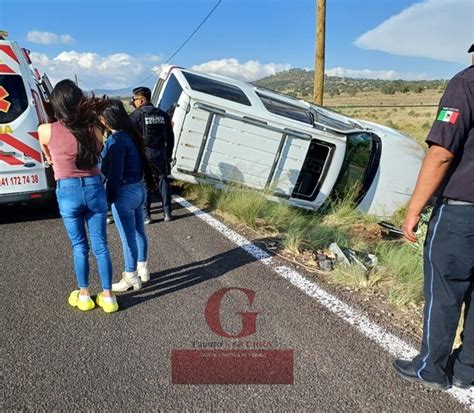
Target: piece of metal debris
x,y
347,256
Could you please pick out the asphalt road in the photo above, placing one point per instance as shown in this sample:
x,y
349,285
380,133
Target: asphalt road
x,y
56,357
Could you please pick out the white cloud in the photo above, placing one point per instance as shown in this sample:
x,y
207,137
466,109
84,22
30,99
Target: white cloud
x,y
36,36
247,71
115,71
375,74
436,29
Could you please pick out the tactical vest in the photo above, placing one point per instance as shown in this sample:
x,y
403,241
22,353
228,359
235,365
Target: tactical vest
x,y
154,133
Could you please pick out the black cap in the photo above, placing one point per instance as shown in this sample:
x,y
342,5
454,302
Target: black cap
x,y
141,89
471,49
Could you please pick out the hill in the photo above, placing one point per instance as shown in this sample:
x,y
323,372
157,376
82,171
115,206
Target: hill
x,y
299,83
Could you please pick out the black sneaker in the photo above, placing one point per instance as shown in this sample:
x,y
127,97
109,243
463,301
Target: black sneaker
x,y
110,220
407,370
168,217
462,384
147,220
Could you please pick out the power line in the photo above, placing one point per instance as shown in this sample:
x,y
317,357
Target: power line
x,y
180,47
194,32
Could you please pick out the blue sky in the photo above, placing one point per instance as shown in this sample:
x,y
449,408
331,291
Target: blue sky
x,y
115,44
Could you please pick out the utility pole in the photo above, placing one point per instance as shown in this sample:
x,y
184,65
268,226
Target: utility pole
x,y
319,55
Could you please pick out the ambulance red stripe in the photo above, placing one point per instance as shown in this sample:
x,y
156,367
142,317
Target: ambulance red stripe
x,y
10,140
9,51
34,134
6,69
11,160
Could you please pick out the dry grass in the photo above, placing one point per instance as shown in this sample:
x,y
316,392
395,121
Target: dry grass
x,y
427,97
302,233
416,122
407,117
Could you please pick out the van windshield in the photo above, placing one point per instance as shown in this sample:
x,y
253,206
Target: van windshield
x,y
359,167
13,99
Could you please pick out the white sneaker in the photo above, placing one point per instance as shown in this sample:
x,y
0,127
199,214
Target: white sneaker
x,y
143,272
129,280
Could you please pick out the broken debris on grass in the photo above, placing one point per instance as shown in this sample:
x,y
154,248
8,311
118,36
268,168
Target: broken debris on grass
x,y
349,257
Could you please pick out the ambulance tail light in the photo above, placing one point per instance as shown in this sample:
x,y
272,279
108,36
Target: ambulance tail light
x,y
36,196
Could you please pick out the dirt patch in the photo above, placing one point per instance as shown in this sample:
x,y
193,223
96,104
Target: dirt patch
x,y
369,234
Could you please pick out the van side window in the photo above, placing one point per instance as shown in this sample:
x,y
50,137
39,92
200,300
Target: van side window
x,y
170,96
215,88
279,107
13,100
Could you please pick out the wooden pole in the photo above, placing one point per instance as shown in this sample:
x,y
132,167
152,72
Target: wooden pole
x,y
319,55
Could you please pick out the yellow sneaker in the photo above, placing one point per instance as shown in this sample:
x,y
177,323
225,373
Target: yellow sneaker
x,y
107,307
74,301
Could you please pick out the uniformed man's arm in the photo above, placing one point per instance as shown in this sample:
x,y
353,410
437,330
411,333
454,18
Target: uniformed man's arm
x,y
446,137
433,171
137,120
169,137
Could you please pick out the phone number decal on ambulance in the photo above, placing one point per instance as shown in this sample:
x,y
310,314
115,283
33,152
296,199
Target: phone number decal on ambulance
x,y
19,180
22,182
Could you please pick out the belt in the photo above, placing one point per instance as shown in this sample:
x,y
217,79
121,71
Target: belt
x,y
456,202
79,181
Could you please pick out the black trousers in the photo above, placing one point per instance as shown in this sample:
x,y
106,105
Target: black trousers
x,y
158,159
448,283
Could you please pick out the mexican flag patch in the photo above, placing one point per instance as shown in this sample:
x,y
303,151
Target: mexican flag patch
x,y
450,116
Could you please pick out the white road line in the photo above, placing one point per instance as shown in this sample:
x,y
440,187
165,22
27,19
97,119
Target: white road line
x,y
394,345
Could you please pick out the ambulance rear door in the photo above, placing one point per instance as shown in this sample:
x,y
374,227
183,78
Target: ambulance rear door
x,y
22,169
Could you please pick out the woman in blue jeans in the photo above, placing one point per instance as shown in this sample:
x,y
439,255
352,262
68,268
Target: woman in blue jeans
x,y
72,145
124,164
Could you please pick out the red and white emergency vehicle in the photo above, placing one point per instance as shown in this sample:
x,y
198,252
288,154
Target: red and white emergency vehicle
x,y
24,175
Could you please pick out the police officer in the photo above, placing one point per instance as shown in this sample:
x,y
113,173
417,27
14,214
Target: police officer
x,y
448,169
158,134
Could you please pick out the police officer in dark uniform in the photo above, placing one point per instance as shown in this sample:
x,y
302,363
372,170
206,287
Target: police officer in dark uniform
x,y
157,131
448,169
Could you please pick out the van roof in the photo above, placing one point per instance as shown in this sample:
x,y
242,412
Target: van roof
x,y
322,117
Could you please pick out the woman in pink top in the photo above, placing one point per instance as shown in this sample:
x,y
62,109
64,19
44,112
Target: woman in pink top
x,y
72,146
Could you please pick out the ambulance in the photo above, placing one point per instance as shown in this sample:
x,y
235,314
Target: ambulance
x,y
24,175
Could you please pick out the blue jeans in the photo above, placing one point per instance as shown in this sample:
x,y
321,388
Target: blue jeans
x,y
82,201
128,215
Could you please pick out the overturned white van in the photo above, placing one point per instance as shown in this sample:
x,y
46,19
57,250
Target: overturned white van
x,y
231,131
24,177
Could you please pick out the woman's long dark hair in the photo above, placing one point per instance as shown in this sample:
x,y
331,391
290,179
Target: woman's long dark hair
x,y
116,117
79,114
